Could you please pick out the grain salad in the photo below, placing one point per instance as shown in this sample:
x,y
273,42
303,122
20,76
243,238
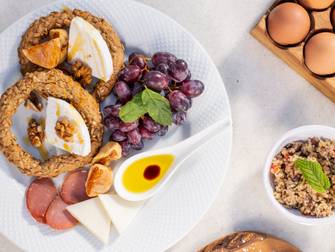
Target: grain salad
x,y
290,186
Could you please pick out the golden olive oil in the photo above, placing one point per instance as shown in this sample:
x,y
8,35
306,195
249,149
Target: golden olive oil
x,y
145,173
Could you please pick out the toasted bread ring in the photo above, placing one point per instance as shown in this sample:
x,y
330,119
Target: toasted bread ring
x,y
40,28
48,83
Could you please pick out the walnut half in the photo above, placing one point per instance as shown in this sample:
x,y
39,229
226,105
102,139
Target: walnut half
x,y
35,133
65,129
82,73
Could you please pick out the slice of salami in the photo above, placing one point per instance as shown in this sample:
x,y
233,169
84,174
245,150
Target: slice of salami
x,y
73,188
39,196
57,217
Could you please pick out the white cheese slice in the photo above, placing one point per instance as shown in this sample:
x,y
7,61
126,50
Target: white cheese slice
x,y
81,141
91,214
87,45
120,211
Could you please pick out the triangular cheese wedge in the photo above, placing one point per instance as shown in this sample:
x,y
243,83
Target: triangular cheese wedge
x,y
87,45
91,214
120,211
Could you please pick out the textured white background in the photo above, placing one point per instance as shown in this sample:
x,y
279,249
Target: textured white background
x,y
267,99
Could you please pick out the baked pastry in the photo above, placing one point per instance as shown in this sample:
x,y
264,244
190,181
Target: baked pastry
x,y
56,84
248,241
40,28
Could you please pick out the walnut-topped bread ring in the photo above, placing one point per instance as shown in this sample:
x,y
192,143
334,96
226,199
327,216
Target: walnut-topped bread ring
x,y
56,84
40,28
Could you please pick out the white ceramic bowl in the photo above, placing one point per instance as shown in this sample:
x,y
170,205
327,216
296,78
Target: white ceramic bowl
x,y
300,133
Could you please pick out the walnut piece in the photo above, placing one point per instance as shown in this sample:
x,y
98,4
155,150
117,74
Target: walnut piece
x,y
99,180
65,129
108,153
34,102
82,73
35,133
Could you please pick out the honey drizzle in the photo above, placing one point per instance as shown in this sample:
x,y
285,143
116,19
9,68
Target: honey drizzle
x,y
44,154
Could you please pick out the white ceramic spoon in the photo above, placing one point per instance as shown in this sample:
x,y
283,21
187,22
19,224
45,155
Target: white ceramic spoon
x,y
180,151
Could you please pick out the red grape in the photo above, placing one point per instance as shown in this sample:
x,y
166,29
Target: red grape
x,y
125,145
138,146
179,117
146,134
138,60
134,137
179,101
122,91
112,123
150,124
126,127
163,131
192,88
136,88
156,80
112,110
130,73
118,136
162,57
178,70
163,68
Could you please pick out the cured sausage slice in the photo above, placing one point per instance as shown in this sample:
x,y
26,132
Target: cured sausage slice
x,y
57,217
73,188
39,196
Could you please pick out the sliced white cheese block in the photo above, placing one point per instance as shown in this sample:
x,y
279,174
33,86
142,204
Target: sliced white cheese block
x,y
87,45
92,215
120,211
57,109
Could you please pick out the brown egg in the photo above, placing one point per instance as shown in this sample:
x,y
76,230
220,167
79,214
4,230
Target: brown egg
x,y
316,4
319,53
332,17
288,24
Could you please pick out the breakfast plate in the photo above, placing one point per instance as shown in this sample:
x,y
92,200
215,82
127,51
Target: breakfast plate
x,y
164,219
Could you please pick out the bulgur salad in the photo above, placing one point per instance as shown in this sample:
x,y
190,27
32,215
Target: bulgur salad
x,y
291,186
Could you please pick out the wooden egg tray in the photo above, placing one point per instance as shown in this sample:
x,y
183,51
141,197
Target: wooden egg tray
x,y
293,56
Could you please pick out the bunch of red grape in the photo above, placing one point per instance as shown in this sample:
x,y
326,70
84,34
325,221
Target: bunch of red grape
x,y
163,73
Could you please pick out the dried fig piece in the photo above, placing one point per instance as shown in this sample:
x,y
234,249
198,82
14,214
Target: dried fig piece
x,y
47,54
64,38
108,153
99,180
59,33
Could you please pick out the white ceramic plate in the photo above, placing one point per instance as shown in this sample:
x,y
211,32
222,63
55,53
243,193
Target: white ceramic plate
x,y
168,217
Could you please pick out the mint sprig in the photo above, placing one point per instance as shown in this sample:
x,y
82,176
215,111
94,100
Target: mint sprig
x,y
147,101
158,107
133,109
313,174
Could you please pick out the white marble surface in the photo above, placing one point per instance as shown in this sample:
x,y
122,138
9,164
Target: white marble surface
x,y
267,99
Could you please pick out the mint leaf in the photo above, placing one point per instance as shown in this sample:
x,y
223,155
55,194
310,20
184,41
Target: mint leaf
x,y
133,109
313,174
148,101
157,106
